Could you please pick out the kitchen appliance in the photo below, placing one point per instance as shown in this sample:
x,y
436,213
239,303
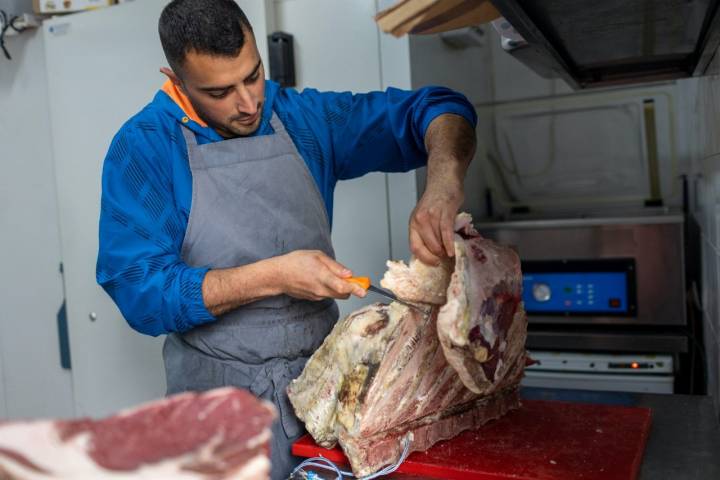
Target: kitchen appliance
x,y
604,286
566,288
601,271
599,371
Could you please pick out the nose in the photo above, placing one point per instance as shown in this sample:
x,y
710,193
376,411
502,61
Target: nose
x,y
246,103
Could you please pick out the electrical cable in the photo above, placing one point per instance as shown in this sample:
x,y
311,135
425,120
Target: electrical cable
x,y
5,26
325,464
8,23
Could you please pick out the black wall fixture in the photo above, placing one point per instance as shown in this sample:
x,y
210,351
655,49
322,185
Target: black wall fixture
x,y
282,58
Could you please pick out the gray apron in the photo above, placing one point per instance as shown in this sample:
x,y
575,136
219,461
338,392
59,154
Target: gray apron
x,y
252,198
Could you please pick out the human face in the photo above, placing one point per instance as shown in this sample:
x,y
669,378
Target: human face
x,y
227,92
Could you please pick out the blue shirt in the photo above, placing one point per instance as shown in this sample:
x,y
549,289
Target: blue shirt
x,y
147,184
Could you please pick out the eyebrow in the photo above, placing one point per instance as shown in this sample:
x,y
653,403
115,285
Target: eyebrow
x,y
225,87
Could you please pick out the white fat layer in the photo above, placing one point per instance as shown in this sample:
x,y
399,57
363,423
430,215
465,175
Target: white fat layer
x,y
487,329
40,444
258,468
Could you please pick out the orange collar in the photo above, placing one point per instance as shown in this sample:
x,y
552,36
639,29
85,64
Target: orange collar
x,y
182,101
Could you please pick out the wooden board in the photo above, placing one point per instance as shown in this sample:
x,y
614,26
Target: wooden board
x,y
543,440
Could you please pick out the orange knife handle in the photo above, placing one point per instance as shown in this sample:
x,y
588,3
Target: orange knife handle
x,y
364,282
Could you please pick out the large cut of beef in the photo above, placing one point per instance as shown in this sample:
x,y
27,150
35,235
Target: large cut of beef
x,y
220,434
482,326
389,372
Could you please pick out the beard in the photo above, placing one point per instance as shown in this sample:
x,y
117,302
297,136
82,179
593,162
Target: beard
x,y
235,126
238,125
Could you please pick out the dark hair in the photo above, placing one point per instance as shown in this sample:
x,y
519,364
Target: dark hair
x,y
215,27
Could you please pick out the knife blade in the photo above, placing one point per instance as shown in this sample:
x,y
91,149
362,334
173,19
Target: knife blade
x,y
364,282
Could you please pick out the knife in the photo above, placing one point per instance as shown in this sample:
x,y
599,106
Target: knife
x,y
364,282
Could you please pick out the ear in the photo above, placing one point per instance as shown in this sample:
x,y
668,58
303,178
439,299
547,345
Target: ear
x,y
171,75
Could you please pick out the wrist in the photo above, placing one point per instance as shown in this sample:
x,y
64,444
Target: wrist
x,y
273,277
445,182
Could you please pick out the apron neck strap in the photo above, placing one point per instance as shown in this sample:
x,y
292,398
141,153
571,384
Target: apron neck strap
x,y
275,122
189,136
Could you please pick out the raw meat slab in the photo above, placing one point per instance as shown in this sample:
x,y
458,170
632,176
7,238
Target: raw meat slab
x,y
543,440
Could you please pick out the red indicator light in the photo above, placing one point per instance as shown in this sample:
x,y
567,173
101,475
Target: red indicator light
x,y
634,365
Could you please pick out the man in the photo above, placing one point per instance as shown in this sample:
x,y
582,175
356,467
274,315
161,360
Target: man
x,y
217,199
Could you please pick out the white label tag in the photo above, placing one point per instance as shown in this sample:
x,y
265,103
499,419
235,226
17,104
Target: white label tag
x,y
59,29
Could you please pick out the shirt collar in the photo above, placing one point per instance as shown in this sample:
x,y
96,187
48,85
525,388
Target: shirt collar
x,y
173,102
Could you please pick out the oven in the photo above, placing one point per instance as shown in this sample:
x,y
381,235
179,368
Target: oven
x,y
601,289
601,271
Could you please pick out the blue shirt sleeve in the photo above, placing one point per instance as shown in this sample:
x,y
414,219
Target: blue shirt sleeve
x,y
382,131
141,234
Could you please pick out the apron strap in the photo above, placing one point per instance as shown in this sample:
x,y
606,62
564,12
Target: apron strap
x,y
276,124
192,143
189,136
280,130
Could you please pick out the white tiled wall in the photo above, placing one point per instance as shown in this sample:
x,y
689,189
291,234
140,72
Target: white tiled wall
x,y
707,212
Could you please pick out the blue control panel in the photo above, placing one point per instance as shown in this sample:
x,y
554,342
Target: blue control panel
x,y
576,292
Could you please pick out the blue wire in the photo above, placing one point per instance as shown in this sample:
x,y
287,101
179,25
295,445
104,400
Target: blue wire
x,y
341,474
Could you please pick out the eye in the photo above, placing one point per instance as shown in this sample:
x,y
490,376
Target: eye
x,y
222,94
253,79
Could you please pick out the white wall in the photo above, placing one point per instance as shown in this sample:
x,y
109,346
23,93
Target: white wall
x,y
31,290
469,71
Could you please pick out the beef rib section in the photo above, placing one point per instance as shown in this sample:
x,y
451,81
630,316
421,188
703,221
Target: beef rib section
x,y
220,434
482,326
382,375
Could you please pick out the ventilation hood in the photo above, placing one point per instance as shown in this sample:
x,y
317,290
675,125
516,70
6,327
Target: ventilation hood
x,y
609,42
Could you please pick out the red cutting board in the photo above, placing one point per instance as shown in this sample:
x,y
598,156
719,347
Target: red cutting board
x,y
542,440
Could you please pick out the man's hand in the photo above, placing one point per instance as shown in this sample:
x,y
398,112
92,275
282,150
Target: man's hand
x,y
312,275
307,274
450,143
431,223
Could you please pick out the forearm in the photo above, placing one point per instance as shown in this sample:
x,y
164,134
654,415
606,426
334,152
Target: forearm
x,y
450,143
229,288
305,274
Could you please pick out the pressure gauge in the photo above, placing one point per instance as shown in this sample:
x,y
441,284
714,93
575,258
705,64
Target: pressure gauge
x,y
541,292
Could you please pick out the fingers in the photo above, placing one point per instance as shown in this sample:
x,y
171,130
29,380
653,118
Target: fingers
x,y
427,224
447,222
342,287
336,287
420,250
359,292
317,276
338,269
334,280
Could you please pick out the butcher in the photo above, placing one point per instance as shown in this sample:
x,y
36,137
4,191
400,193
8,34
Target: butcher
x,y
217,205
